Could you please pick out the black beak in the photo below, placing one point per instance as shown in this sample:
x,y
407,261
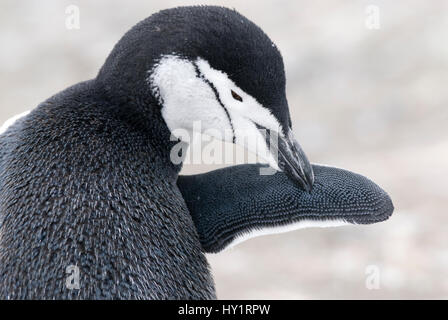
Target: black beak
x,y
290,157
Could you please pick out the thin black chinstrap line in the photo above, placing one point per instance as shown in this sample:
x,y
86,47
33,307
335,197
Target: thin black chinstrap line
x,y
215,91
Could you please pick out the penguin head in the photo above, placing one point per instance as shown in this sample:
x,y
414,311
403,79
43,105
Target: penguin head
x,y
212,70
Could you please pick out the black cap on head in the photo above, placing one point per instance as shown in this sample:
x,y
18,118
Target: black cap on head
x,y
226,39
230,43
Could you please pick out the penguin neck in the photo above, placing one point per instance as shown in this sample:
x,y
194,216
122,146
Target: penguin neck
x,y
143,113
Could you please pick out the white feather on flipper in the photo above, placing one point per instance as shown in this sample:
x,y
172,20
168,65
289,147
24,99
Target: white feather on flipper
x,y
12,120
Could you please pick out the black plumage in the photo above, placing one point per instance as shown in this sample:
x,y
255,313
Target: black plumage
x,y
230,202
86,178
87,182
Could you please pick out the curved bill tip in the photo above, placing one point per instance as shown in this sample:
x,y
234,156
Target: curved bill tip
x,y
290,158
294,162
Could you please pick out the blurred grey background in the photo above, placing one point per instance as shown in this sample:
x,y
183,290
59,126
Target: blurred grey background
x,y
365,94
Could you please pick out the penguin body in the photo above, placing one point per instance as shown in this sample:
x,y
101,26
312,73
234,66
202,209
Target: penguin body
x,y
85,182
88,185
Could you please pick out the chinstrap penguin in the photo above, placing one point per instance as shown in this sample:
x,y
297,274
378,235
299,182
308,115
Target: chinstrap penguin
x,y
86,178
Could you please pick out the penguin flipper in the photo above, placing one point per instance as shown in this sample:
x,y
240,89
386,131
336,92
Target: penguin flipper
x,y
234,204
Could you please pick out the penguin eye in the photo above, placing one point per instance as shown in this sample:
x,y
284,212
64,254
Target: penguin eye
x,y
236,96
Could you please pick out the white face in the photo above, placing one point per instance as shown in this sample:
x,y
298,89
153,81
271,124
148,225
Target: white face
x,y
192,91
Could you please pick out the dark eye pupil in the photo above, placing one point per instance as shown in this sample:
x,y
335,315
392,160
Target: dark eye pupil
x,y
236,96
